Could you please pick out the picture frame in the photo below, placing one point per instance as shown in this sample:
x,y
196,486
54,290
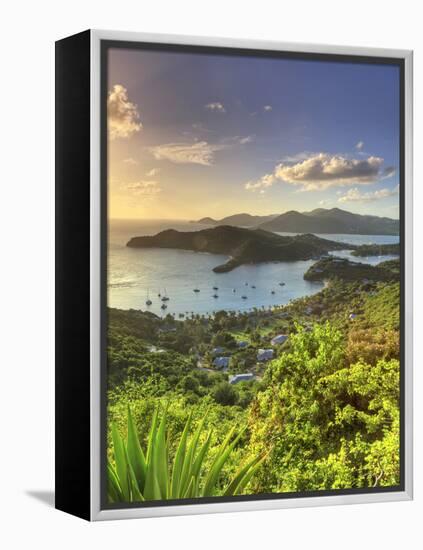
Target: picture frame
x,y
82,164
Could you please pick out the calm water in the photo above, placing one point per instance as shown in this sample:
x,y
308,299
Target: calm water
x,y
135,274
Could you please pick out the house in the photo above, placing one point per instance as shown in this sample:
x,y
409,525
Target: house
x,y
218,350
265,354
242,344
279,339
221,362
246,377
352,316
308,310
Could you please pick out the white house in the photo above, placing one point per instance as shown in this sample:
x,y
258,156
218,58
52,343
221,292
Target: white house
x,y
246,377
265,354
279,339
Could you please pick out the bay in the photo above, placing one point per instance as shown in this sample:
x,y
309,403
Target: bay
x,y
135,275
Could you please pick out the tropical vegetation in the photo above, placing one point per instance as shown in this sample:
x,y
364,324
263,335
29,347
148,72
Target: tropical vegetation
x,y
321,414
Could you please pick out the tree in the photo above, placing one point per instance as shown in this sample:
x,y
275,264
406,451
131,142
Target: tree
x,y
224,339
225,394
189,383
327,423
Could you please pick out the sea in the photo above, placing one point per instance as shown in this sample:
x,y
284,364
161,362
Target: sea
x,y
137,275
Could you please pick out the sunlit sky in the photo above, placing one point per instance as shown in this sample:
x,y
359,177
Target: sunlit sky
x,y
193,135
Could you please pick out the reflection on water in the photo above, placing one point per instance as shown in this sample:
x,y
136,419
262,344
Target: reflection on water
x,y
136,275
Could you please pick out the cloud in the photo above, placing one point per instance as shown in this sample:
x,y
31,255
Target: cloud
x,y
122,114
354,195
199,126
263,183
359,146
142,188
236,140
303,155
153,172
131,161
267,108
321,171
388,172
215,106
246,139
199,152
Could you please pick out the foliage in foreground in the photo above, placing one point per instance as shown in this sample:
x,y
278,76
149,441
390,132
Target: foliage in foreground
x,y
138,475
332,424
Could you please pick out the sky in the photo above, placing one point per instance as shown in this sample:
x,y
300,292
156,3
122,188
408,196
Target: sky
x,y
194,135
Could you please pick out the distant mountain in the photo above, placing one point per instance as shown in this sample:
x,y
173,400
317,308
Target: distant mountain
x,y
332,220
241,220
206,221
242,245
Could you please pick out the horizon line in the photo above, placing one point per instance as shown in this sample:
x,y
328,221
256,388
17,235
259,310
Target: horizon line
x,y
247,213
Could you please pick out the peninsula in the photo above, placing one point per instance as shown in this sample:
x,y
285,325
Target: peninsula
x,y
242,245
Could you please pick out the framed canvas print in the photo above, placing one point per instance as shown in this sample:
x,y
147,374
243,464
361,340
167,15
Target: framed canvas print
x,y
233,281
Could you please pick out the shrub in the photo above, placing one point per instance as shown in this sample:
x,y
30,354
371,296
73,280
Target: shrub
x,y
139,475
225,394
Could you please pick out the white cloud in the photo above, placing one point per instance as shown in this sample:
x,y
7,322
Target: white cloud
x,y
263,183
321,171
355,195
131,161
267,108
122,115
215,106
199,152
153,172
359,146
142,188
246,139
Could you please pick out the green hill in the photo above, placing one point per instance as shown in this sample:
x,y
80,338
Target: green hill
x,y
242,245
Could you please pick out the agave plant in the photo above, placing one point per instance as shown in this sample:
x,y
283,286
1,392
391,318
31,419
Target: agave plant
x,y
139,475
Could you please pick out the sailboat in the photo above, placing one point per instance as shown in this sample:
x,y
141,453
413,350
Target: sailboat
x,y
148,301
165,297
